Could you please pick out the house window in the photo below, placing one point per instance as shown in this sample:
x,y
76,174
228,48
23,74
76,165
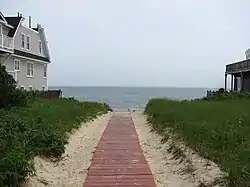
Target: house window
x,y
30,69
43,88
28,43
22,40
45,71
17,65
30,88
40,47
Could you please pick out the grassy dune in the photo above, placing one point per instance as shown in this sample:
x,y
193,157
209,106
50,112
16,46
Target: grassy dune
x,y
217,129
40,128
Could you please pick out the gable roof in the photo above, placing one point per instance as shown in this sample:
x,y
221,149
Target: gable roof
x,y
14,21
2,17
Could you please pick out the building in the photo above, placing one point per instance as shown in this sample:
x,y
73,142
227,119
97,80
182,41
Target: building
x,y
24,52
240,74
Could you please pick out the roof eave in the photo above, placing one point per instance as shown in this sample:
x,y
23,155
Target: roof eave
x,y
6,24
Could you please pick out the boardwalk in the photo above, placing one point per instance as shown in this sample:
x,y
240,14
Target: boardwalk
x,y
118,159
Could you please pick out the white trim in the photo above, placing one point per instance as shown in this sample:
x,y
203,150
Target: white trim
x,y
28,36
7,51
2,16
22,34
30,76
27,58
14,74
15,64
17,27
10,26
6,24
30,86
27,27
42,34
22,86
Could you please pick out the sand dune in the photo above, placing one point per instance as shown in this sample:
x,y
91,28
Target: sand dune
x,y
73,168
169,172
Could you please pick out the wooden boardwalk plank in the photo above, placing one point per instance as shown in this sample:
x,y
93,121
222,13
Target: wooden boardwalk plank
x,y
118,159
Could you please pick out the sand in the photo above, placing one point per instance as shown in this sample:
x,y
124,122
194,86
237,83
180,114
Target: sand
x,y
72,170
168,172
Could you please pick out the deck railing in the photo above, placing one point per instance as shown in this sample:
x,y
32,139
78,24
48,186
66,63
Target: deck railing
x,y
238,66
6,42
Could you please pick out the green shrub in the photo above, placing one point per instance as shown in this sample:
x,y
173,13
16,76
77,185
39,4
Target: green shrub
x,y
9,94
222,95
7,87
40,128
218,130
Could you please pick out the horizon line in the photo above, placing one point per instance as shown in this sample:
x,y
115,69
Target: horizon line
x,y
115,86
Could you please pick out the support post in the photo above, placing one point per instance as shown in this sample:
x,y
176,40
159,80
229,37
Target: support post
x,y
225,82
235,83
241,81
2,41
232,82
1,35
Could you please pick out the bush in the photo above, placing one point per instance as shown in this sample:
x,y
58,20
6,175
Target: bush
x,y
224,95
9,94
40,128
217,130
7,87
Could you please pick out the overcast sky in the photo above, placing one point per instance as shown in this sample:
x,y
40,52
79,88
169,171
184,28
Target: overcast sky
x,y
181,43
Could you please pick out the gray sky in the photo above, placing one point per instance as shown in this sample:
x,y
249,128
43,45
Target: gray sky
x,y
140,42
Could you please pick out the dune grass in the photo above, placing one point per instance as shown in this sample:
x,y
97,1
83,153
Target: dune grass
x,y
40,128
217,130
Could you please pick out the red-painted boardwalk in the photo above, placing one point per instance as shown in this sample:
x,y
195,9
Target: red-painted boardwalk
x,y
118,159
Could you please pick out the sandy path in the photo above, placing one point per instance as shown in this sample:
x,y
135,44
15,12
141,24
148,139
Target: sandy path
x,y
73,168
167,171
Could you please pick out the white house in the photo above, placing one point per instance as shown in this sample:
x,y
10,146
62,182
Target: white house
x,y
24,52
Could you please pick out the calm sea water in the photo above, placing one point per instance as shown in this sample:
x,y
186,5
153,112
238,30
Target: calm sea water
x,y
129,97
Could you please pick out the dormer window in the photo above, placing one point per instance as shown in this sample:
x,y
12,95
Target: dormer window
x,y
40,47
28,42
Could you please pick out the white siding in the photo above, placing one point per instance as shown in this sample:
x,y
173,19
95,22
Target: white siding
x,y
37,82
34,43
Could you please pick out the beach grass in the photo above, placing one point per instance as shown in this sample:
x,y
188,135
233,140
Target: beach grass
x,y
40,128
218,130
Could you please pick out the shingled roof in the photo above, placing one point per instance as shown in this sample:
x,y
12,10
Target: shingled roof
x,y
14,21
29,55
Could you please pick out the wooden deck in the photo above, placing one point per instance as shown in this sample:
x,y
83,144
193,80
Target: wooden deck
x,y
118,159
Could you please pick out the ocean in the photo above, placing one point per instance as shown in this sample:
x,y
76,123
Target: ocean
x,y
130,97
